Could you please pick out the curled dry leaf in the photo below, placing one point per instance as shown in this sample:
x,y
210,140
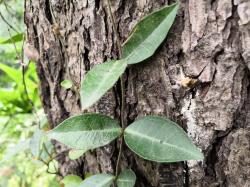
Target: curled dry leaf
x,y
188,82
6,171
31,52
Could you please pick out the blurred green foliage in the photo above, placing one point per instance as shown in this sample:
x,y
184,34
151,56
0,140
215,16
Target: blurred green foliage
x,y
26,157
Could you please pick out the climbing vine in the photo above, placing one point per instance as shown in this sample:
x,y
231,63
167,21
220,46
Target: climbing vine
x,y
153,138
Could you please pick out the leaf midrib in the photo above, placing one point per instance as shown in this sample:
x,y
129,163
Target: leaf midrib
x,y
100,85
157,140
146,38
125,180
89,131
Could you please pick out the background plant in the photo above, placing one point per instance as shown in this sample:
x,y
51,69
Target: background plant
x,y
22,153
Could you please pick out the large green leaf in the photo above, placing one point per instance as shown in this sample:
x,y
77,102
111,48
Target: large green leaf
x,y
13,39
71,181
148,34
99,180
126,178
87,131
161,140
99,80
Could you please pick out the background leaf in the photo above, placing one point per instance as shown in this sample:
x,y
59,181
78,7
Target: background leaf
x,y
148,34
53,166
99,80
22,146
35,142
87,131
13,73
126,178
47,149
71,181
165,141
17,122
99,180
13,39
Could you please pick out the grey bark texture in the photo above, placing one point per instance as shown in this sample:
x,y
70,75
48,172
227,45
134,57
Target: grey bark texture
x,y
199,78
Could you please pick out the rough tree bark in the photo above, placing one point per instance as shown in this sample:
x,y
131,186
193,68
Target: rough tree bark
x,y
199,78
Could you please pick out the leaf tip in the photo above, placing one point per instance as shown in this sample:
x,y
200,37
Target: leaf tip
x,y
200,155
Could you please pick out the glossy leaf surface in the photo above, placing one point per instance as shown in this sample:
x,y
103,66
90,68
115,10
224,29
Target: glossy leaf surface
x,y
161,140
126,178
86,131
99,180
99,80
148,34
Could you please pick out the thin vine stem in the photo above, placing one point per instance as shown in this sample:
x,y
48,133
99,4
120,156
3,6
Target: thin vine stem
x,y
10,26
122,114
21,58
118,41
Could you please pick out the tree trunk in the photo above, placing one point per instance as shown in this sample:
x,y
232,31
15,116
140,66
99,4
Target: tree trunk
x,y
199,78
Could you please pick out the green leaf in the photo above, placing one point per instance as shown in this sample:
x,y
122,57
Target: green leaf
x,y
66,84
148,34
161,140
86,131
13,39
87,175
35,142
126,178
72,181
99,80
47,149
8,95
12,73
99,180
53,166
76,153
12,151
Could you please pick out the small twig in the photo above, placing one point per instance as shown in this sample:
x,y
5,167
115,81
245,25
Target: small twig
x,y
6,124
122,114
1,15
14,44
47,164
9,9
112,16
47,151
117,168
43,161
21,58
12,12
51,158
